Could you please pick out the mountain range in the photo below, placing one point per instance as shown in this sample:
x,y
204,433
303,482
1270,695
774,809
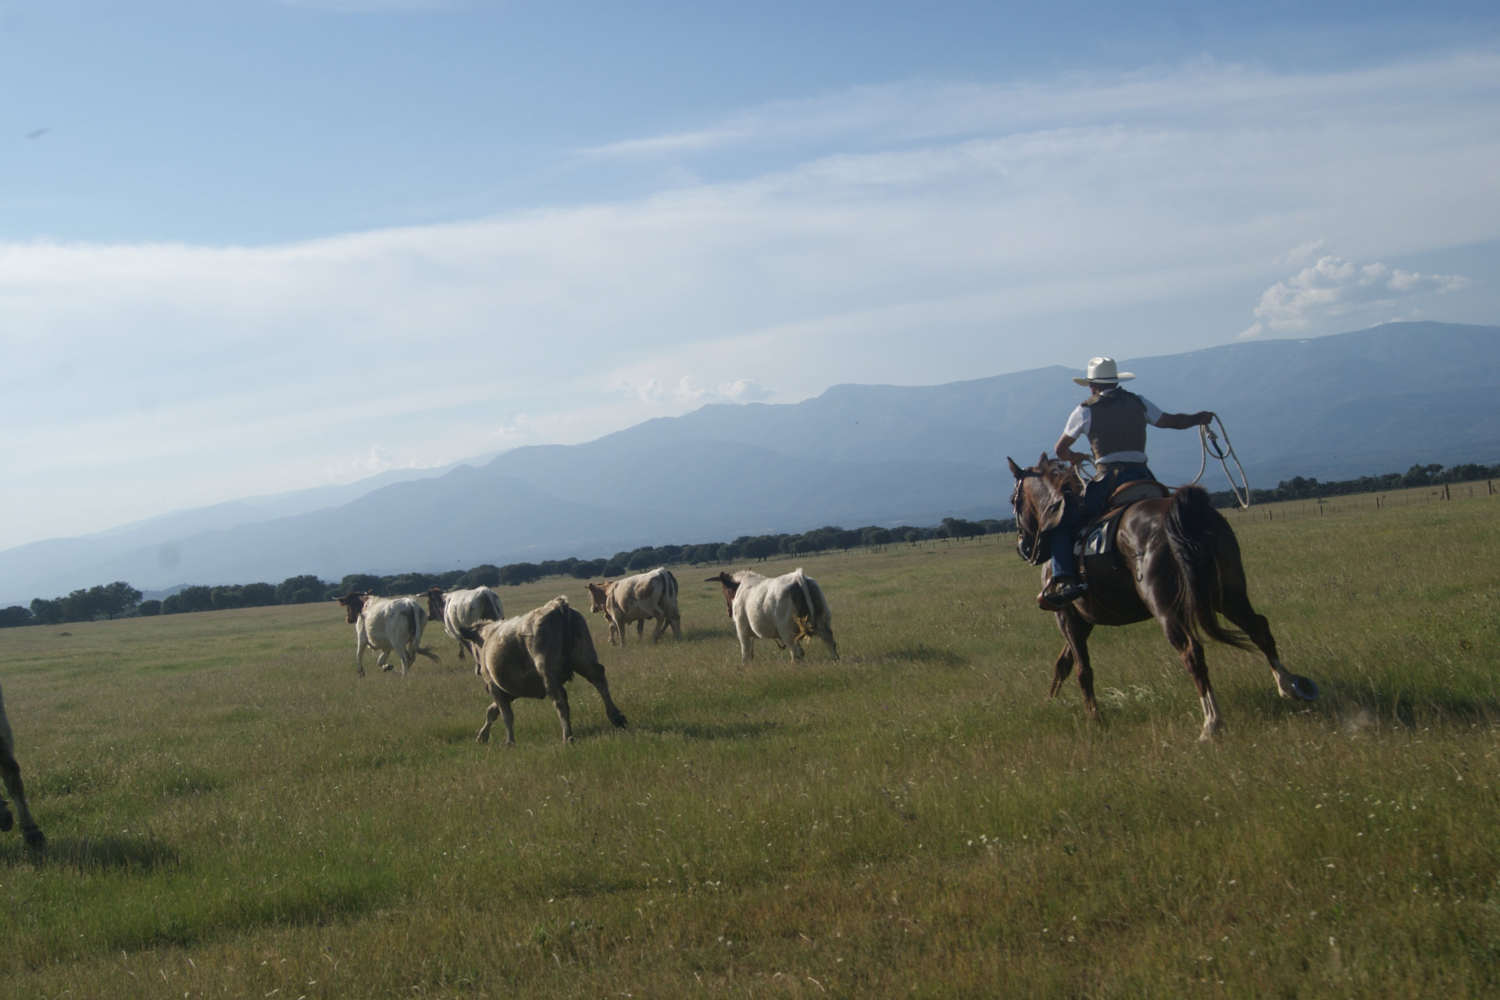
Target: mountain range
x,y
1334,407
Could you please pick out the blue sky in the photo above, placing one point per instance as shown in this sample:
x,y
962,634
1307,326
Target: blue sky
x,y
251,246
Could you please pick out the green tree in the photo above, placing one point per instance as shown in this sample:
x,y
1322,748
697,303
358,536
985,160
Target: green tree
x,y
483,575
116,599
514,574
223,598
361,583
257,595
301,590
14,615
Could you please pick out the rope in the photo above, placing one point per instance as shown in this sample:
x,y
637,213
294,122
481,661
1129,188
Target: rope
x,y
1086,470
1210,441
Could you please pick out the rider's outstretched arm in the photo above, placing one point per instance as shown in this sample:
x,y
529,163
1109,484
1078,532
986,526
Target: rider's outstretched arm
x,y
1182,421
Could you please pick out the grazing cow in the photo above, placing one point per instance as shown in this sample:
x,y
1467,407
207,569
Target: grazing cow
x,y
787,608
10,771
386,624
533,656
637,598
464,607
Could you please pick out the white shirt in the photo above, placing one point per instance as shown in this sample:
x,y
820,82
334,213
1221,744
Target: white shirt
x,y
1079,420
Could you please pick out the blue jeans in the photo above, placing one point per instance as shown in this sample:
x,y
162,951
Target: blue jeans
x,y
1095,499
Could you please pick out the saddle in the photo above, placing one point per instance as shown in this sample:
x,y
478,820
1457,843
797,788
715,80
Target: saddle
x,y
1098,538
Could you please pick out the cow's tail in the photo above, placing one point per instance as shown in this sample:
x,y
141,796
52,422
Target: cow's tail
x,y
415,620
493,600
1195,533
817,608
563,624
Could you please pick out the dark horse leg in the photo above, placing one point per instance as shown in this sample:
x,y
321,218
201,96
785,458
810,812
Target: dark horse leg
x,y
10,771
1191,651
1075,631
1235,605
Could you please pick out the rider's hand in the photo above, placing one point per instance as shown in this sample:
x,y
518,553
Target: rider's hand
x,y
1205,417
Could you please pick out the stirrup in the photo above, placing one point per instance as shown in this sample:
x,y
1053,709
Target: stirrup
x,y
1056,598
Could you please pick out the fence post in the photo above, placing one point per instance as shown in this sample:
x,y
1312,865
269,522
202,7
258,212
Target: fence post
x,y
1446,495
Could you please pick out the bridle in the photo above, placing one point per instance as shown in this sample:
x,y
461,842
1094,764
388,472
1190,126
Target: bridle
x,y
1026,538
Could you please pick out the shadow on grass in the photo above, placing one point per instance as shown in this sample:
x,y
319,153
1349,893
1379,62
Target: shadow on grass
x,y
632,640
116,853
707,731
1403,709
922,653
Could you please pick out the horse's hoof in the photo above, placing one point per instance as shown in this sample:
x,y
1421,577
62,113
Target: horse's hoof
x,y
34,838
1305,688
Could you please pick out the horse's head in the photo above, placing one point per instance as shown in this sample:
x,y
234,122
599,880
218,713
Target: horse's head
x,y
1037,503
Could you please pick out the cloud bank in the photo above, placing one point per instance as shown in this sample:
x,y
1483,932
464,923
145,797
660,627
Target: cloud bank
x,y
898,234
1341,291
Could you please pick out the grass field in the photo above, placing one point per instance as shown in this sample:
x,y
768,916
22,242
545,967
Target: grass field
x,y
232,813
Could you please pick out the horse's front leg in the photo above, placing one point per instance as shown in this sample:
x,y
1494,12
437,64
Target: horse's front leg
x,y
1061,670
1075,630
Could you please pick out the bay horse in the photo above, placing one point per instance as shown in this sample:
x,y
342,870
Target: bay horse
x,y
1175,560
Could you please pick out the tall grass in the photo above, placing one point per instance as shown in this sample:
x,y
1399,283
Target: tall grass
x,y
231,812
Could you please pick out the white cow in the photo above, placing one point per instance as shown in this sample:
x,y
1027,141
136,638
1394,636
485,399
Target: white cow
x,y
11,772
386,625
787,608
458,608
637,598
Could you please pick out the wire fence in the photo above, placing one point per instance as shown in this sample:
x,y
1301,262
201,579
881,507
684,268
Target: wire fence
x,y
1415,496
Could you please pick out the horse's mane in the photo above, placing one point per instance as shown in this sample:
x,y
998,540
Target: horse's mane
x,y
1058,475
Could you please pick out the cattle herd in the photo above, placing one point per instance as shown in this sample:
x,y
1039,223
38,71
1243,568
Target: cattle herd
x,y
535,654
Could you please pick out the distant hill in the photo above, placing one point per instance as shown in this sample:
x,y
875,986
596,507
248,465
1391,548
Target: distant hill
x,y
1334,407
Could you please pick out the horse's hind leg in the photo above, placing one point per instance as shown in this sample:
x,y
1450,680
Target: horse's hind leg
x,y
594,674
11,773
1191,651
1237,608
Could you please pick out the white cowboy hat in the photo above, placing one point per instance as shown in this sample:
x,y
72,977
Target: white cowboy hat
x,y
1103,370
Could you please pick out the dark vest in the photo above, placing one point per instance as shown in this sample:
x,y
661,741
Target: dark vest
x,y
1117,422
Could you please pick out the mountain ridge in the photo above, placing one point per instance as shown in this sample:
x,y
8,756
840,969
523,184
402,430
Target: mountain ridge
x,y
1334,407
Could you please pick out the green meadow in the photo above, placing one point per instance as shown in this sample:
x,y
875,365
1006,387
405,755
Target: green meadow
x,y
231,812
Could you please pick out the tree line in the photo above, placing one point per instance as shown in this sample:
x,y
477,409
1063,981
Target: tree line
x,y
119,599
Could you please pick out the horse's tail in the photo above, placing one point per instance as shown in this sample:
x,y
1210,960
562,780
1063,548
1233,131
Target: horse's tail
x,y
1197,534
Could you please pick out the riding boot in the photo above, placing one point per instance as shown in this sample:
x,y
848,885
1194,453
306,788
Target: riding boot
x,y
1064,586
1060,592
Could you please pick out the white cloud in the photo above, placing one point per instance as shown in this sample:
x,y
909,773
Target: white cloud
x,y
1335,289
740,390
686,392
1200,91
1306,253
